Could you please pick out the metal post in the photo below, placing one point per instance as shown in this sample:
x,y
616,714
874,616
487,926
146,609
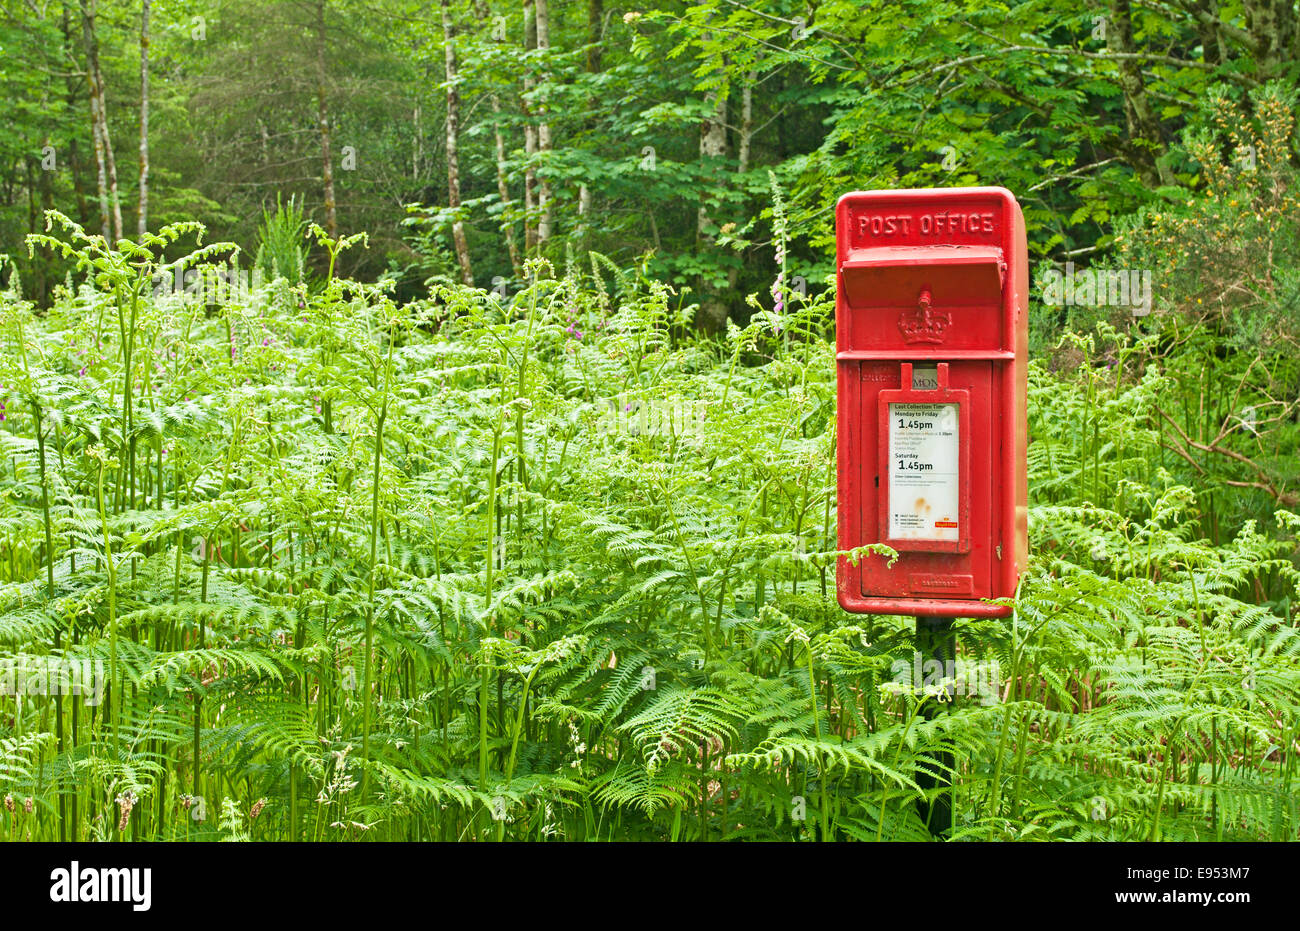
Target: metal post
x,y
935,640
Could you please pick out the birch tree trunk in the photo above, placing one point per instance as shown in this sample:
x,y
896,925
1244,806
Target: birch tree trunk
x,y
530,135
746,123
713,145
101,171
543,127
595,17
74,154
110,205
453,154
743,144
322,119
417,146
503,190
142,214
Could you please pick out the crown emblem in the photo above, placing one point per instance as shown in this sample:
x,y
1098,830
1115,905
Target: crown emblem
x,y
923,324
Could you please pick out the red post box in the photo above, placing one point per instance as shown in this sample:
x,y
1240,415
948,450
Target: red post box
x,y
931,332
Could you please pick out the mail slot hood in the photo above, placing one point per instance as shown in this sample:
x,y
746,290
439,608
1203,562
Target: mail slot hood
x,y
954,275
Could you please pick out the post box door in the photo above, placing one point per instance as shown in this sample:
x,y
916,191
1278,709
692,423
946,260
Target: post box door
x,y
934,561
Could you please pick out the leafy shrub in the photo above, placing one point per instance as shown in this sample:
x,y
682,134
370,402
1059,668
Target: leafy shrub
x,y
1228,255
280,252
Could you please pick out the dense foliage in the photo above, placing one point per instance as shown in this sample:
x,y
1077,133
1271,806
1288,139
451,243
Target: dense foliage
x,y
555,566
621,127
513,516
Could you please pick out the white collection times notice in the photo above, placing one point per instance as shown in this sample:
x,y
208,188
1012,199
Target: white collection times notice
x,y
923,472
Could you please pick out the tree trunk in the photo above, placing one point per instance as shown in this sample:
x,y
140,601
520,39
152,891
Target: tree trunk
x,y
110,205
1272,23
453,155
101,171
713,145
417,145
743,143
543,127
1211,36
42,292
584,206
78,188
322,118
74,154
142,214
1143,144
503,190
37,184
595,26
530,135
746,123
32,168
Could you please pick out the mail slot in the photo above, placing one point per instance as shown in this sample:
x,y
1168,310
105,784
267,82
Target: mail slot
x,y
931,332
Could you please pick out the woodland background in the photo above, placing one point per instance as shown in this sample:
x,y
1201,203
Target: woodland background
x,y
503,506
467,136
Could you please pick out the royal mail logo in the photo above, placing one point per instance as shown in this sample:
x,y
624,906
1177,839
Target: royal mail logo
x,y
943,584
924,324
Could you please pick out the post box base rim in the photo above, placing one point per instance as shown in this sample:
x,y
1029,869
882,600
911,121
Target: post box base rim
x,y
923,608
